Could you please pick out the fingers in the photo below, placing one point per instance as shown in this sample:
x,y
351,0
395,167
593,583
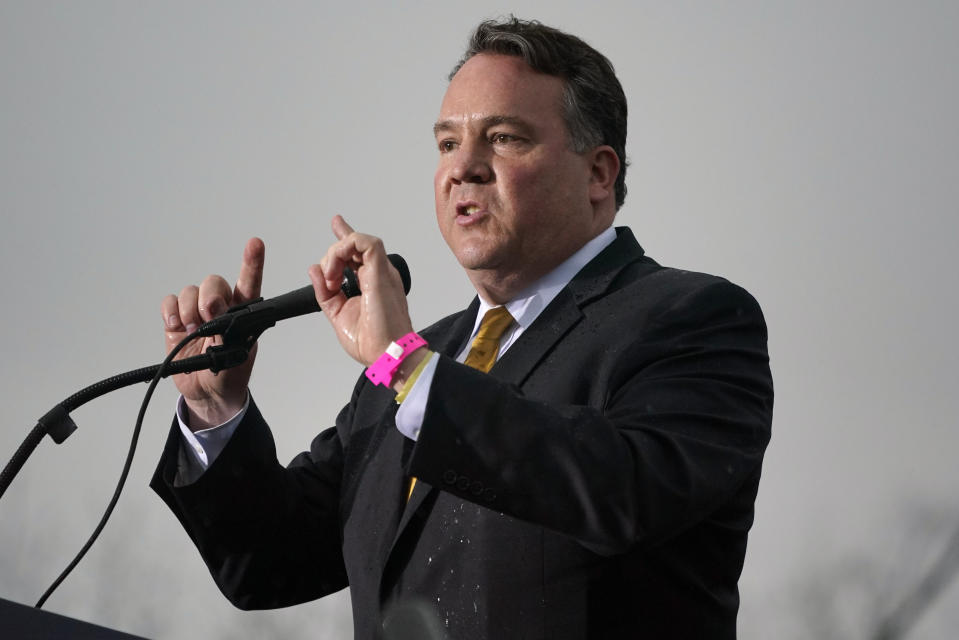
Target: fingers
x,y
251,272
170,310
340,228
188,303
194,306
214,297
353,250
327,295
179,315
360,252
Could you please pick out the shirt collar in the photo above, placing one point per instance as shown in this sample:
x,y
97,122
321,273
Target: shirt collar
x,y
530,302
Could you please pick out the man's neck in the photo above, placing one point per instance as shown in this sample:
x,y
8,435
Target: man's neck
x,y
498,288
554,279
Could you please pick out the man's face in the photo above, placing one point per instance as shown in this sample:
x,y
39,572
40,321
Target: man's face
x,y
512,198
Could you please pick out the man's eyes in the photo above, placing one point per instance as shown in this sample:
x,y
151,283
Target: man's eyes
x,y
503,138
446,144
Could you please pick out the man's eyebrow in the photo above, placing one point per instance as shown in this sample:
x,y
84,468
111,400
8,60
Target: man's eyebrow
x,y
489,121
442,125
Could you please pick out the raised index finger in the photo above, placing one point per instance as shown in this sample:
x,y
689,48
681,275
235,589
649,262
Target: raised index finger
x,y
251,272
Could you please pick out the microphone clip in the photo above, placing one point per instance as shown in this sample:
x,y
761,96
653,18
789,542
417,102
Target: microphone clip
x,y
241,325
223,356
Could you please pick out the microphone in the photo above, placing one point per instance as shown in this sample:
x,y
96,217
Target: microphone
x,y
245,322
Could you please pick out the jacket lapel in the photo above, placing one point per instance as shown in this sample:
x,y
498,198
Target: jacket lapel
x,y
450,340
565,310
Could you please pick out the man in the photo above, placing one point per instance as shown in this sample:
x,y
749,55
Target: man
x,y
597,482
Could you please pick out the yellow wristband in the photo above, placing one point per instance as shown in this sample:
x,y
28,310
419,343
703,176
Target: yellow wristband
x,y
401,396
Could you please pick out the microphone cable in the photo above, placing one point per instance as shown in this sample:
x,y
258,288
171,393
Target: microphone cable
x,y
123,474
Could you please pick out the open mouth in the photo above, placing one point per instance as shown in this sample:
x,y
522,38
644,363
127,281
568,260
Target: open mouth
x,y
470,213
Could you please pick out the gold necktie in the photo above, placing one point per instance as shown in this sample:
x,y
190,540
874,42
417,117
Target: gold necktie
x,y
485,345
484,349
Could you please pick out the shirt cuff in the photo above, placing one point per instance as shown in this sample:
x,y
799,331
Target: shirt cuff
x,y
202,447
409,417
401,396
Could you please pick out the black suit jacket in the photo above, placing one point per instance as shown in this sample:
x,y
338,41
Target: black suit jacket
x,y
598,483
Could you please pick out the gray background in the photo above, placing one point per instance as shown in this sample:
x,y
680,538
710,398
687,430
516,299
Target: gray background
x,y
806,150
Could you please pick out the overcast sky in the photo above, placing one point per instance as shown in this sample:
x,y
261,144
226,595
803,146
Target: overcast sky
x,y
806,150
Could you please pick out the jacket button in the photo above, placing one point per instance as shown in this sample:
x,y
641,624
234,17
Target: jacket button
x,y
463,483
476,488
449,476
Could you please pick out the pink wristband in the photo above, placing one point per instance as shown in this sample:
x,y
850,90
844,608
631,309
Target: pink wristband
x,y
383,370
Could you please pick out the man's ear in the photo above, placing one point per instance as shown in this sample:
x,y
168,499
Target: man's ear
x,y
604,169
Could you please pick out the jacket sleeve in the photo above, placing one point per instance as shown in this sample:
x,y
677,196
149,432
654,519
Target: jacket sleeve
x,y
270,535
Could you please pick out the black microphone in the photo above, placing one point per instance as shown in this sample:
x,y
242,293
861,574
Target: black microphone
x,y
245,322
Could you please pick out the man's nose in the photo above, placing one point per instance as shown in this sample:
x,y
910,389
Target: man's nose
x,y
471,163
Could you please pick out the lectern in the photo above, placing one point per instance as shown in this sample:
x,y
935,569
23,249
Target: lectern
x,y
20,621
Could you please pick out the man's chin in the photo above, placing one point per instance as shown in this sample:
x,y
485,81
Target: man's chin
x,y
477,258
478,264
